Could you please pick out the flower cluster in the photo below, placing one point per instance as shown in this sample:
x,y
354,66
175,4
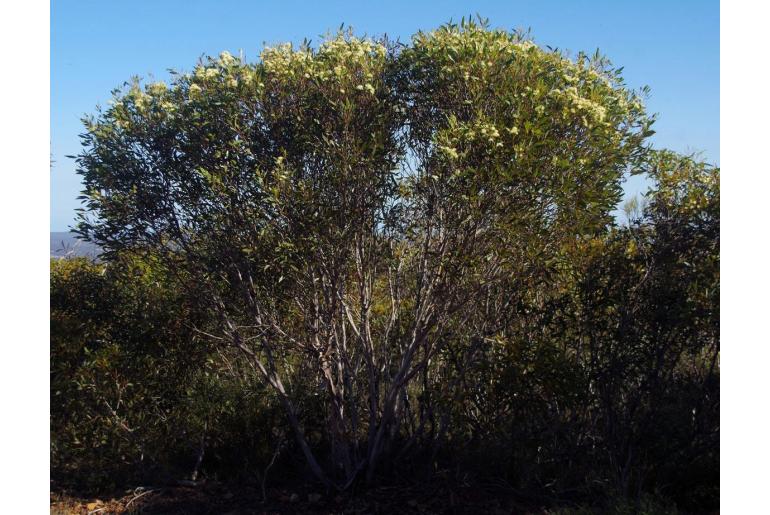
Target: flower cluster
x,y
348,63
477,134
575,103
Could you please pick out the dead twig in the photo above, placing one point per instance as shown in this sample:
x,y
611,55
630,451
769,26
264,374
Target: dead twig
x,y
141,494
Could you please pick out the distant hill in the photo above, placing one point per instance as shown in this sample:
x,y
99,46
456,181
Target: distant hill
x,y
67,244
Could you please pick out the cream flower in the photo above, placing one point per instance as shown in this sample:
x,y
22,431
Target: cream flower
x,y
226,58
157,88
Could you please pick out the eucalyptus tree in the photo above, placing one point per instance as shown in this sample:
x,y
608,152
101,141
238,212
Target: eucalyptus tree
x,y
344,211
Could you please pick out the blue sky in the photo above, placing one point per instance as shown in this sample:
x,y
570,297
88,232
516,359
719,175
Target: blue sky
x,y
96,45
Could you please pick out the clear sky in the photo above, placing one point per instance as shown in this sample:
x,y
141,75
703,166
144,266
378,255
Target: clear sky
x,y
96,45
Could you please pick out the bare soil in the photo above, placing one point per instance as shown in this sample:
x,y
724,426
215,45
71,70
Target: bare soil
x,y
222,499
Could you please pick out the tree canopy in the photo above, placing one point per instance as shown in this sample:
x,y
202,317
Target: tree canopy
x,y
364,219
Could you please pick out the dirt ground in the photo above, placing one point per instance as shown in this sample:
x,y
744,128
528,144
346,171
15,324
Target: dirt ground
x,y
222,499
